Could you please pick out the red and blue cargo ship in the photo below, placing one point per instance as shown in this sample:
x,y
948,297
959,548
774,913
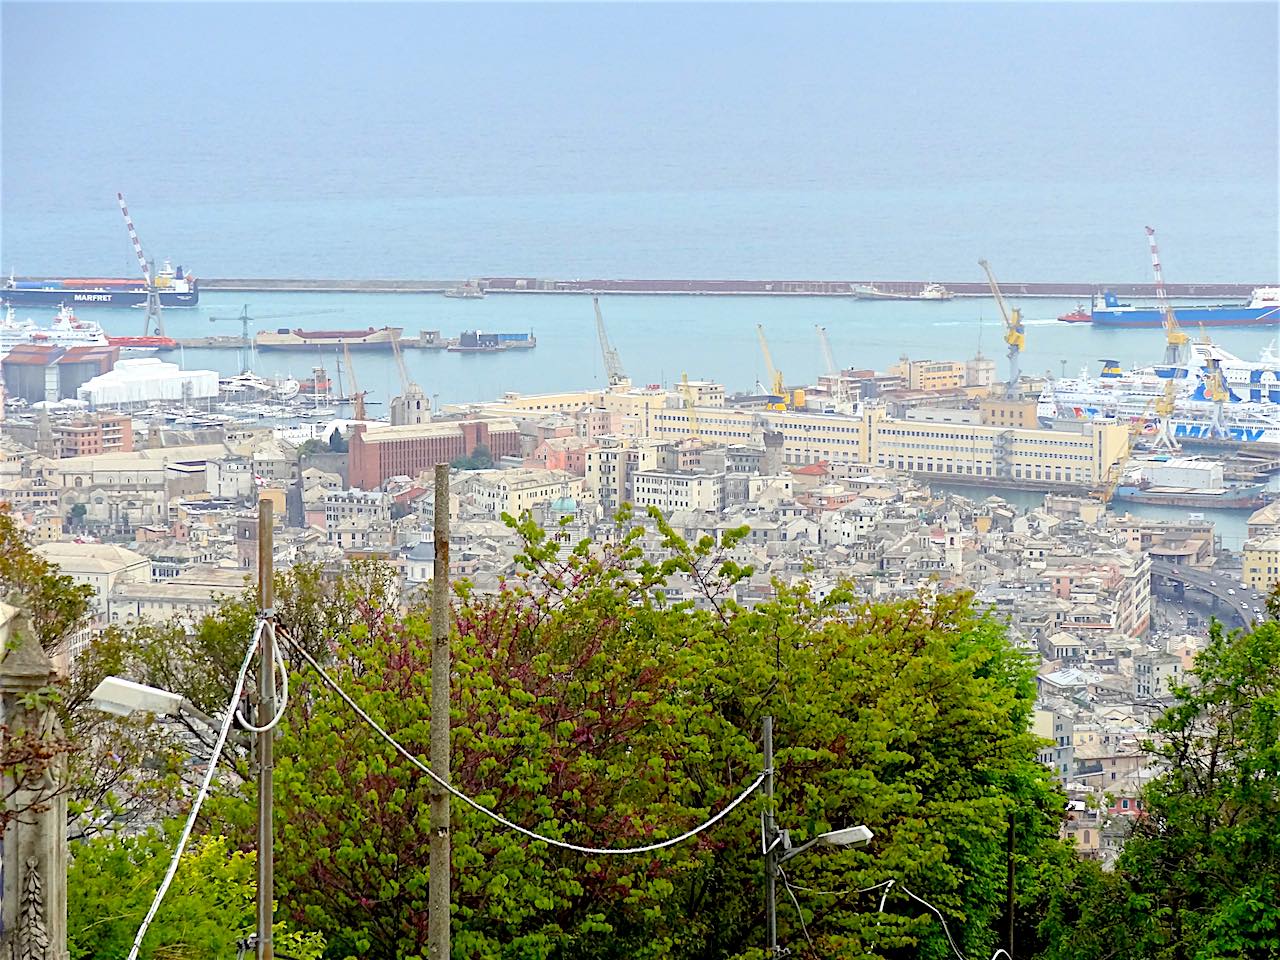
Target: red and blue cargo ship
x,y
176,289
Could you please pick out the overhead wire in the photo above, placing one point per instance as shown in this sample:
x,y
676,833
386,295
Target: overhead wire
x,y
498,818
786,885
200,794
280,669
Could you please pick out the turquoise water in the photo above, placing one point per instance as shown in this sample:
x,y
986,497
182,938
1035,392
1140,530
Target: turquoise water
x,y
659,338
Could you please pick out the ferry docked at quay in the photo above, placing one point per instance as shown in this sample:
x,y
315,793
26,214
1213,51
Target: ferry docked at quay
x,y
174,287
1250,415
65,331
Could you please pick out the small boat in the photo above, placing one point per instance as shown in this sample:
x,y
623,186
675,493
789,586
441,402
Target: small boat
x,y
1079,315
470,290
935,291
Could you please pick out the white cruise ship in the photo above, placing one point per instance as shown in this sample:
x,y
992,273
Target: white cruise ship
x,y
65,331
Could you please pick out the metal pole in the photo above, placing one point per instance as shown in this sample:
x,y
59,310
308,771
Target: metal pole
x,y
266,762
770,834
438,897
1009,883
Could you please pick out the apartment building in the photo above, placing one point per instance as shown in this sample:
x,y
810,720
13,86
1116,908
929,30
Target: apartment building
x,y
363,506
99,433
679,491
1262,563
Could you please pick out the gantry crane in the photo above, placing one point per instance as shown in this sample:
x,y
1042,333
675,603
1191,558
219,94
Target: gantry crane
x,y
612,362
828,357
357,395
776,385
152,315
1175,343
690,405
1014,334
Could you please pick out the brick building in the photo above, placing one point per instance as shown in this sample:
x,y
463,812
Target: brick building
x,y
380,452
99,433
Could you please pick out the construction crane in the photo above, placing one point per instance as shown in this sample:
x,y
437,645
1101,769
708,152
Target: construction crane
x,y
152,315
776,386
1175,343
357,395
1014,334
690,404
828,357
612,362
405,382
244,320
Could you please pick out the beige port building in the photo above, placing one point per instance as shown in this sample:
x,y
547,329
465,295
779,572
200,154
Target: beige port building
x,y
1076,457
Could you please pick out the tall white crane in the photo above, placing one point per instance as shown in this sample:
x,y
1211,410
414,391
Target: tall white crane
x,y
612,362
1014,333
827,356
1175,342
153,295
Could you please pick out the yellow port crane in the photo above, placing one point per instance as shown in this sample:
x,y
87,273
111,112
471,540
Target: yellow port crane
x,y
776,386
1107,488
1014,333
690,404
357,395
1175,344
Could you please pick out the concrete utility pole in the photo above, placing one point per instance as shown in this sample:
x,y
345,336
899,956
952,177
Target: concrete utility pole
x,y
33,918
770,838
438,896
266,759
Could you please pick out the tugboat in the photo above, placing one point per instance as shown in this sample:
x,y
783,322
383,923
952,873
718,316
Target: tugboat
x,y
1078,315
470,290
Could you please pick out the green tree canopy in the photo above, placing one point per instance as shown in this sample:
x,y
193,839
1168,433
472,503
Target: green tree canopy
x,y
1199,877
209,907
590,706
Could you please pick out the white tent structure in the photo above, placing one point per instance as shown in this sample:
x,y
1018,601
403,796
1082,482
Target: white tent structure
x,y
138,382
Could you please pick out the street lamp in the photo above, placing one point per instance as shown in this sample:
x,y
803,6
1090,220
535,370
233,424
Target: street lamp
x,y
123,697
776,844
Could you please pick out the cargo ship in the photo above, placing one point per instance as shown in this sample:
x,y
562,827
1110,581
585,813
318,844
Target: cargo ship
x,y
65,331
297,339
176,289
931,291
1262,309
1249,497
473,341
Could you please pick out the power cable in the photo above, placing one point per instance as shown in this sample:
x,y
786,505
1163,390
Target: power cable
x,y
282,697
498,818
200,794
786,885
941,919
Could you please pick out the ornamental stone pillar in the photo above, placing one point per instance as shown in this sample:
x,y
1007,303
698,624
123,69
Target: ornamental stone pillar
x,y
33,919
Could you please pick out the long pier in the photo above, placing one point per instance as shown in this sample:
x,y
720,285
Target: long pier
x,y
731,288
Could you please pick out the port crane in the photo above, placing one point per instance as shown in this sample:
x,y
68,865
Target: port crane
x,y
1106,490
357,395
612,362
1175,344
828,358
1014,333
690,405
244,320
152,315
776,385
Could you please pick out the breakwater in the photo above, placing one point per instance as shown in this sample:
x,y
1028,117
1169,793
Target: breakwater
x,y
740,288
